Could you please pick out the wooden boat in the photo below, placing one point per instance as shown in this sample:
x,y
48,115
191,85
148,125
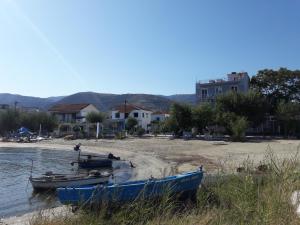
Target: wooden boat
x,y
52,181
89,161
129,191
94,163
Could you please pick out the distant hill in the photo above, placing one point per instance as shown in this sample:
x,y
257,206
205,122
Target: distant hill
x,y
183,98
106,102
27,101
102,101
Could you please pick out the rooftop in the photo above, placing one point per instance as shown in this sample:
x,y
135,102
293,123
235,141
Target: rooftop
x,y
160,112
231,77
129,108
68,108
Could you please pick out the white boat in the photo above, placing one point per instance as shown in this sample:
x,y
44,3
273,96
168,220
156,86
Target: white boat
x,y
52,181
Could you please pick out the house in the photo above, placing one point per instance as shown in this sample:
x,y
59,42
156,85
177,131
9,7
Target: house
x,y
72,113
142,115
159,116
29,109
4,107
208,91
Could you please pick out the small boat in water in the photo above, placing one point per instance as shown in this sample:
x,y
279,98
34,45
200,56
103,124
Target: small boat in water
x,y
89,161
129,191
52,181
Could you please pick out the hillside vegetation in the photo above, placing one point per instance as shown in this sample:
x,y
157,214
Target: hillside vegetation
x,y
102,101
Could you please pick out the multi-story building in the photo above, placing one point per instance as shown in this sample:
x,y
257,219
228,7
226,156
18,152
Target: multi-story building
x,y
142,115
206,92
159,116
72,113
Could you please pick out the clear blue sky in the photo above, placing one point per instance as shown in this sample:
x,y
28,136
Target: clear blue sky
x,y
59,47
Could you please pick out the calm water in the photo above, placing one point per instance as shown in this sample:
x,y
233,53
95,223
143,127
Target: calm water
x,y
16,194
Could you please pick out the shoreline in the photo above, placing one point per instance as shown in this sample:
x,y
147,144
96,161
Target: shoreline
x,y
160,157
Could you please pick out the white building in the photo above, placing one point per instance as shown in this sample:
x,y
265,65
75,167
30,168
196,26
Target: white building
x,y
72,113
122,112
159,116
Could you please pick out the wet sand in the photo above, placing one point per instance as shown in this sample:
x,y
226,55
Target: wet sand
x,y
160,156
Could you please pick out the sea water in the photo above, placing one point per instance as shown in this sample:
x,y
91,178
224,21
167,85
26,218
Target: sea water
x,y
17,164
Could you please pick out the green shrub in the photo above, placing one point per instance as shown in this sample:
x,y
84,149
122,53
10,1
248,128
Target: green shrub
x,y
131,124
95,117
140,131
238,128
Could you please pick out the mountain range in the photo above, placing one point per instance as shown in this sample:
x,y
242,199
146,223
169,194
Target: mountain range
x,y
103,102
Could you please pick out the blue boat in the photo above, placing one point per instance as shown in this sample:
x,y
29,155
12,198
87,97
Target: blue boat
x,y
129,191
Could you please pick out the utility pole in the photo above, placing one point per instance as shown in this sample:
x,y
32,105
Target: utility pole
x,y
16,103
125,102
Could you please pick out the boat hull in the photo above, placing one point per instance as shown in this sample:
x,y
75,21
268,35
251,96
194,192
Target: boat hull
x,y
39,184
130,191
97,163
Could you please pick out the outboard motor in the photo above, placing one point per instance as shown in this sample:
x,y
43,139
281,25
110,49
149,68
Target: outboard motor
x,y
94,173
111,156
77,147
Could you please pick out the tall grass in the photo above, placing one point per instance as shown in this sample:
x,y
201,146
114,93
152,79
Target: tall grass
x,y
251,197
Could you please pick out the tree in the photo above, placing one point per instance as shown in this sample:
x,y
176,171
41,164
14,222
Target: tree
x,y
251,105
203,116
181,115
95,117
33,120
156,127
131,124
288,115
170,125
9,121
238,128
277,86
224,119
140,131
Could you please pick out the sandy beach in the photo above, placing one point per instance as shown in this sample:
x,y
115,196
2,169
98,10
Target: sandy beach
x,y
160,156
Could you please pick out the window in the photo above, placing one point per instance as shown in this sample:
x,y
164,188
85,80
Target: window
x,y
234,88
143,115
135,115
126,115
204,93
218,90
146,115
117,115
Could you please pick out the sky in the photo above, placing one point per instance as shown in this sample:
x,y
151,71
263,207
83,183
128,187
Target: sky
x,y
60,47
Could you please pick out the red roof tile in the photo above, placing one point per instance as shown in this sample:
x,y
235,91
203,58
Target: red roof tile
x,y
129,108
67,108
160,112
